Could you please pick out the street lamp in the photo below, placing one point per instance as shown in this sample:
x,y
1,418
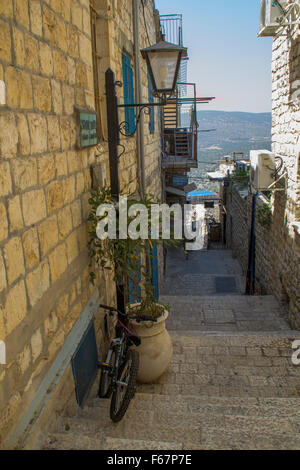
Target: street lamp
x,y
163,63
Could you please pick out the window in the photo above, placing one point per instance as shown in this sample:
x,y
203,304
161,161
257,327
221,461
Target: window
x,y
151,100
128,94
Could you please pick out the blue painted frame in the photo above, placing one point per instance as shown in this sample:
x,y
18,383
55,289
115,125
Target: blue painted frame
x,y
154,271
151,100
128,93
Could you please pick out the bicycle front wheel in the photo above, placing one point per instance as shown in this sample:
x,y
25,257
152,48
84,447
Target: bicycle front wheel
x,y
125,388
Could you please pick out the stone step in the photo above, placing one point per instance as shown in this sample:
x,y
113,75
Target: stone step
x,y
243,305
221,391
202,284
145,405
223,312
216,438
244,406
211,300
194,435
272,339
193,422
250,365
212,438
129,444
71,441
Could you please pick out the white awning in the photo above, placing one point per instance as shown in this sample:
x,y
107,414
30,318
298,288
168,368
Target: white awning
x,y
177,192
216,175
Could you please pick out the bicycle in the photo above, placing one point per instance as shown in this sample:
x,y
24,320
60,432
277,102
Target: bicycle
x,y
120,369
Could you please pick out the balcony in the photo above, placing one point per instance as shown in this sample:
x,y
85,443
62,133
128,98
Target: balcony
x,y
180,148
180,129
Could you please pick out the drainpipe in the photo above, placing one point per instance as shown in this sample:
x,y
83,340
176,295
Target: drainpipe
x,y
138,99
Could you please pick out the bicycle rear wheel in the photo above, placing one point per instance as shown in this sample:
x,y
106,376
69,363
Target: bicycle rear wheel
x,y
105,384
124,393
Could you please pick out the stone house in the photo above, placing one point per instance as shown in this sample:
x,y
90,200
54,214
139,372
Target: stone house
x,y
277,245
53,56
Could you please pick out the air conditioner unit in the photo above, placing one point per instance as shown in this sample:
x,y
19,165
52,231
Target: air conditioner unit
x,y
263,168
270,13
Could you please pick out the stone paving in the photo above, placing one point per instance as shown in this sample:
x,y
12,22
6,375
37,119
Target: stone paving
x,y
199,273
231,383
221,392
225,313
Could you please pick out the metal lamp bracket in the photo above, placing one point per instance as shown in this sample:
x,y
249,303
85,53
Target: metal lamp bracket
x,y
146,107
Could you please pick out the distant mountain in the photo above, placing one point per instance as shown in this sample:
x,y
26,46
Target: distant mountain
x,y
234,132
232,127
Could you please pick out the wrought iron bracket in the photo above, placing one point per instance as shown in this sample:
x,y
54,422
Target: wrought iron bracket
x,y
146,107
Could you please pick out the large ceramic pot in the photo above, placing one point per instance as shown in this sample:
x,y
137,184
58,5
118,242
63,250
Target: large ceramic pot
x,y
156,349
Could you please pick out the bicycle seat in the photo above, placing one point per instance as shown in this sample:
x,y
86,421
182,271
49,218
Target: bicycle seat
x,y
133,339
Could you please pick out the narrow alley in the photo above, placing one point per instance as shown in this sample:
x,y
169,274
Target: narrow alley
x,y
231,384
126,125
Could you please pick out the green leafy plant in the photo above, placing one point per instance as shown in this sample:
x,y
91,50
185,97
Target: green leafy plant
x,y
264,215
125,257
241,178
148,306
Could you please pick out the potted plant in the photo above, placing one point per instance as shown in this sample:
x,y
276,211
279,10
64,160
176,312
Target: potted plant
x,y
128,259
156,348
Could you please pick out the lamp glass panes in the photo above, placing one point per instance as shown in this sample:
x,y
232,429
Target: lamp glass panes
x,y
163,61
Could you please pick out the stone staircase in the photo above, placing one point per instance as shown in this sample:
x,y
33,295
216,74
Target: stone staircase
x,y
225,389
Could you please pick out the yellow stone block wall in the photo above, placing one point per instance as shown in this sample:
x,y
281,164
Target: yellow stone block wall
x,y
46,64
115,35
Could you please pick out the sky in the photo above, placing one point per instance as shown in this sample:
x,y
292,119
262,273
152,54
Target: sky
x,y
227,59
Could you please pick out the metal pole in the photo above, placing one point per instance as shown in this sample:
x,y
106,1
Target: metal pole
x,y
113,131
113,142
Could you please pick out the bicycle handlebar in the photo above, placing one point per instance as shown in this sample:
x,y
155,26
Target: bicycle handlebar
x,y
106,307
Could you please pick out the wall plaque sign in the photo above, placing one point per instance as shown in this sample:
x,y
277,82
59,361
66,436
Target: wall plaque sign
x,y
87,124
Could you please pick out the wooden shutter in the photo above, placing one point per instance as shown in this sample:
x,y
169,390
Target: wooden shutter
x,y
151,100
128,93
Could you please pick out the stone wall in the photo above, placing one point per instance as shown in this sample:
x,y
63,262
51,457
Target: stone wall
x,y
277,245
237,225
47,67
276,252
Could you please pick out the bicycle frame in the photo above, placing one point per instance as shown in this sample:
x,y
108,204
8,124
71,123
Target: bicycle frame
x,y
120,345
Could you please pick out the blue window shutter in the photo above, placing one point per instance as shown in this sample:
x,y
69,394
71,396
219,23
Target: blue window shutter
x,y
151,100
128,93
154,269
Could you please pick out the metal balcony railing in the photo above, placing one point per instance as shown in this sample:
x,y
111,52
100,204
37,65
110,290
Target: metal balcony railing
x,y
171,27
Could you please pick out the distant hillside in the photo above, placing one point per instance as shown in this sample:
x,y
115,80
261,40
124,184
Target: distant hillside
x,y
232,127
235,132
